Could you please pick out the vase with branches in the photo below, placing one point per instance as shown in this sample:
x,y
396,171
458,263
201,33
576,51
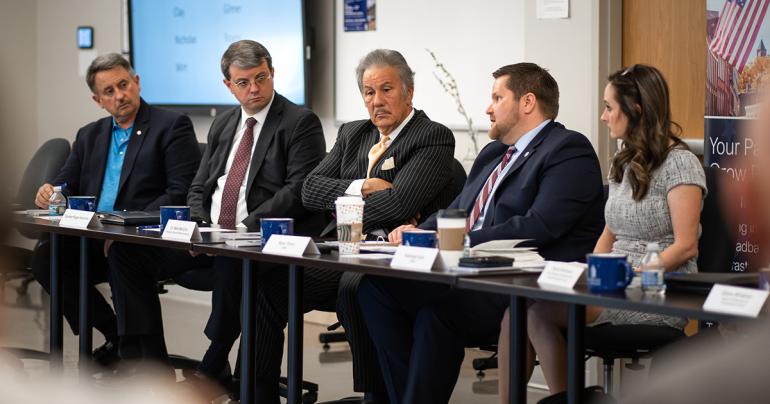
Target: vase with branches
x,y
449,84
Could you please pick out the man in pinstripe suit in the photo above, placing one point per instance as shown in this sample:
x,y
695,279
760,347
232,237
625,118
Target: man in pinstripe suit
x,y
400,162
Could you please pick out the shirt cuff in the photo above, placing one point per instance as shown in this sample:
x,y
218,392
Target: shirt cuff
x,y
355,187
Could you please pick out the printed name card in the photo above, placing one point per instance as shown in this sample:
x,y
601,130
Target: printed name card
x,y
181,230
292,246
79,219
415,258
735,300
560,274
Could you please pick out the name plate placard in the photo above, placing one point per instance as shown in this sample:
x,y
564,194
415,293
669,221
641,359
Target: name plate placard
x,y
735,300
181,230
293,246
79,219
416,258
560,274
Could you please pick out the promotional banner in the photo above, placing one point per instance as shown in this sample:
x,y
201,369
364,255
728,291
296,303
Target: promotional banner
x,y
736,63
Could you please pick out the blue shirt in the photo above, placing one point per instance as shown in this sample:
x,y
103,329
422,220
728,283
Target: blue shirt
x,y
115,157
520,144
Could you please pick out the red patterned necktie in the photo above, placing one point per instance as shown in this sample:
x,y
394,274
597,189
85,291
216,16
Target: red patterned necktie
x,y
481,200
235,177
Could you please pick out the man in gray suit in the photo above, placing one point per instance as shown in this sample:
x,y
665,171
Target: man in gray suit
x,y
256,159
400,162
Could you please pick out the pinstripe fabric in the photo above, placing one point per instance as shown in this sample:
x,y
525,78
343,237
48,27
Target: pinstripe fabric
x,y
423,155
272,307
367,376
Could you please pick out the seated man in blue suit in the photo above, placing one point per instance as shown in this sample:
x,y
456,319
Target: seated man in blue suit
x,y
537,180
138,158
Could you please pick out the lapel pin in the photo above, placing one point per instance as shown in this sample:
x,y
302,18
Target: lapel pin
x,y
139,132
526,154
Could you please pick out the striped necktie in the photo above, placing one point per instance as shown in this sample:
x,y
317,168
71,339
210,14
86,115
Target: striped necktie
x,y
235,177
486,191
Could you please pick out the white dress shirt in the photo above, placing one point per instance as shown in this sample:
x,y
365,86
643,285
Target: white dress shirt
x,y
355,187
241,210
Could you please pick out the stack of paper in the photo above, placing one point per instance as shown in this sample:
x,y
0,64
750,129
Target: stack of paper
x,y
524,257
242,239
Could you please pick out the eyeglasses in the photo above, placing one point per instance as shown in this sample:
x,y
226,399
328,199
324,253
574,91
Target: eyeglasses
x,y
260,80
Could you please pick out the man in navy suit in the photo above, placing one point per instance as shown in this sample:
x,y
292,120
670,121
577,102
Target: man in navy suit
x,y
138,158
537,180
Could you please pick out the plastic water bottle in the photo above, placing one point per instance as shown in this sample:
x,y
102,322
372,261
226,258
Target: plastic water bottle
x,y
467,246
57,203
652,270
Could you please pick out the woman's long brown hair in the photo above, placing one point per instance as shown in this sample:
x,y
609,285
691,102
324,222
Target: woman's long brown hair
x,y
642,93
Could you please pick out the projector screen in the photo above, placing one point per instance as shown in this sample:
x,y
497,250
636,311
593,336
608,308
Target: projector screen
x,y
176,47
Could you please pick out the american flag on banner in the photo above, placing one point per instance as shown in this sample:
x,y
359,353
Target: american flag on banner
x,y
736,32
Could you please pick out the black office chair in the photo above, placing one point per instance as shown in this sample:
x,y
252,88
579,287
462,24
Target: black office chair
x,y
610,342
42,168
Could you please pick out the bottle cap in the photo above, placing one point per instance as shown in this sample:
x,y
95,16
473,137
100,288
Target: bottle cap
x,y
653,247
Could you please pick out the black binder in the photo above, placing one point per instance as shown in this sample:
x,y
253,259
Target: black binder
x,y
130,217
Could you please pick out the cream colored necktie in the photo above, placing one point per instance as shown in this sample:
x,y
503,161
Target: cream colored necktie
x,y
376,152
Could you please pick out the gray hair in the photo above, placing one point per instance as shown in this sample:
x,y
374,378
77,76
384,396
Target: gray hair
x,y
245,54
385,58
104,63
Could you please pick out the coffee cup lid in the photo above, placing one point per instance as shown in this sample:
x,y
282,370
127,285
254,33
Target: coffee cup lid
x,y
452,214
349,200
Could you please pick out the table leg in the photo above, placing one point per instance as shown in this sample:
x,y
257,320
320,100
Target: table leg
x,y
295,335
85,322
517,376
576,324
56,321
247,335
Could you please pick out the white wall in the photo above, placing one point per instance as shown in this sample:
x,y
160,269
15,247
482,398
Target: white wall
x,y
18,82
50,100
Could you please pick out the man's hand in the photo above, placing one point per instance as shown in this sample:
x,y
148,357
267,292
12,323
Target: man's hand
x,y
372,185
43,195
395,235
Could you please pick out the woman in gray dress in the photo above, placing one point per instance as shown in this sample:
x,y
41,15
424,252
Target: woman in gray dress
x,y
656,187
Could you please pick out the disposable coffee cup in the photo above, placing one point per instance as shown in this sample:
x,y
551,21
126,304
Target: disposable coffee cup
x,y
350,224
451,229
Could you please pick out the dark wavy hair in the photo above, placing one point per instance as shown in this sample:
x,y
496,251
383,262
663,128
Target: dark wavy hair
x,y
642,93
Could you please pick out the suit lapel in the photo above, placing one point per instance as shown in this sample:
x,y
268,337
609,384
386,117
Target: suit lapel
x,y
101,149
266,135
140,131
528,151
403,138
225,143
474,188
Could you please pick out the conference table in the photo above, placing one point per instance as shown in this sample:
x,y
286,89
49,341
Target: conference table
x,y
519,287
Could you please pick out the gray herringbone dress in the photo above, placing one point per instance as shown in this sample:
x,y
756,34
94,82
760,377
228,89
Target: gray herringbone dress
x,y
636,223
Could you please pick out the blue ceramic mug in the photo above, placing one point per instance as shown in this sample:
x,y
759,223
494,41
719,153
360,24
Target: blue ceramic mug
x,y
270,226
608,272
419,238
87,203
173,212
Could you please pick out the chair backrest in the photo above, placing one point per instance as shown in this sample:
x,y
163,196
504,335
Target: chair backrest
x,y
42,168
716,246
458,177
